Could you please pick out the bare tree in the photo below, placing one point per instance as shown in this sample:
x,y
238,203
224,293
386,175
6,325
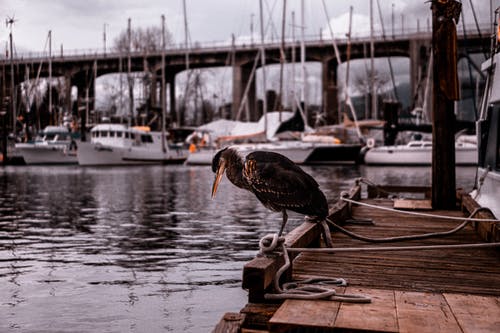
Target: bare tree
x,y
145,40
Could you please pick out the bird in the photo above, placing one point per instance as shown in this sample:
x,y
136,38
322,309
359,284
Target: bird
x,y
277,182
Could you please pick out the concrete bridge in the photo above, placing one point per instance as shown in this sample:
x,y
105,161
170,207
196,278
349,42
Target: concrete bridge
x,y
81,70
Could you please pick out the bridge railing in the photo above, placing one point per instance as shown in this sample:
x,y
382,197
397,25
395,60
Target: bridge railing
x,y
247,43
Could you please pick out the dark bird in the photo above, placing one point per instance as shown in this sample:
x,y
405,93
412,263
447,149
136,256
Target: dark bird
x,y
277,182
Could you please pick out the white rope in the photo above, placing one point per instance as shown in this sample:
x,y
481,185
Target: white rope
x,y
310,289
395,248
455,218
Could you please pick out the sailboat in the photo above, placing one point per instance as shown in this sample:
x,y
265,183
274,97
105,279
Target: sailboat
x,y
55,144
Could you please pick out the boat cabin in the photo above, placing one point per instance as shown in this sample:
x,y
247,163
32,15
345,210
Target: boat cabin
x,y
120,135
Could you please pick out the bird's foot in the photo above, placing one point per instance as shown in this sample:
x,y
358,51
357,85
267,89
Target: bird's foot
x,y
312,219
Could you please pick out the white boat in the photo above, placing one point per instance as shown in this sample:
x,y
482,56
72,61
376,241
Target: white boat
x,y
487,192
418,152
54,145
118,144
302,148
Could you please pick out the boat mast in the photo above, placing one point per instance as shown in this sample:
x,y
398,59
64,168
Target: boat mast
x,y
129,78
162,94
10,22
282,59
50,75
302,60
372,66
294,106
263,64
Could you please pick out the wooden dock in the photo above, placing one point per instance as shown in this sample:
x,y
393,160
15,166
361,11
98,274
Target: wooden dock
x,y
439,290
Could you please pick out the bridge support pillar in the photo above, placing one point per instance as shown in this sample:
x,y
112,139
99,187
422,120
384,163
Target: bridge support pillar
x,y
330,91
241,78
419,69
171,90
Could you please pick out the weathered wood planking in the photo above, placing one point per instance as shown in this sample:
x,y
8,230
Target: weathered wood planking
x,y
378,316
304,313
424,312
473,270
230,323
475,314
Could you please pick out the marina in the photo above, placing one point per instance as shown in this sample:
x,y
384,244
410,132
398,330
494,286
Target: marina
x,y
292,181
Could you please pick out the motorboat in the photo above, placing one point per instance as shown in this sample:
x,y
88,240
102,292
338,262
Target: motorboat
x,y
487,191
53,145
119,144
418,152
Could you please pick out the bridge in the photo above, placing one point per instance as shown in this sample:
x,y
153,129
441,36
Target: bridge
x,y
81,70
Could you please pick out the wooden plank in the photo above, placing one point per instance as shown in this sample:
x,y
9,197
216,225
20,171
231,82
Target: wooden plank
x,y
304,313
258,314
424,312
230,323
377,316
412,204
475,314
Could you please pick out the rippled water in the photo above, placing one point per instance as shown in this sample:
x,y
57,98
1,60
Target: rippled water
x,y
138,249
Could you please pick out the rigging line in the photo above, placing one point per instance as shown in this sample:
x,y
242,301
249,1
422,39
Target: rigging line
x,y
391,70
471,82
485,53
445,217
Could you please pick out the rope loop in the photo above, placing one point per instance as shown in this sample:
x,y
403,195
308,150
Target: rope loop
x,y
268,244
310,289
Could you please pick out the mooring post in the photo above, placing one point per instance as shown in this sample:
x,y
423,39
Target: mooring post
x,y
445,15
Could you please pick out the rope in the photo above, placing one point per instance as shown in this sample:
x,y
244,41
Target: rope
x,y
394,248
310,289
342,197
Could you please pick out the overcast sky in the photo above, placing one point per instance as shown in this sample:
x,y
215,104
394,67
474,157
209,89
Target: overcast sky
x,y
79,24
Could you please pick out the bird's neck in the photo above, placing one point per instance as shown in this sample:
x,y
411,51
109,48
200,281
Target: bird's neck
x,y
234,171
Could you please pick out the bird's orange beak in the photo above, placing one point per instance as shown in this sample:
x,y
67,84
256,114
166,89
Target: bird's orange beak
x,y
218,176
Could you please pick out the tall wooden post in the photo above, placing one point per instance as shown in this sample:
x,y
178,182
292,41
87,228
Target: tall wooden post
x,y
445,15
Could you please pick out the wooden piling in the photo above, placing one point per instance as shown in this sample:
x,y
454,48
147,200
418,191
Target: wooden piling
x,y
445,14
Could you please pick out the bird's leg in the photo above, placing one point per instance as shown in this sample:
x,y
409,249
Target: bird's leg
x,y
285,218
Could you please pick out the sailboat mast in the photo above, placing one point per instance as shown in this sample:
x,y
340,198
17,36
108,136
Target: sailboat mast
x,y
50,74
162,94
294,106
263,63
12,84
303,59
282,58
372,67
129,78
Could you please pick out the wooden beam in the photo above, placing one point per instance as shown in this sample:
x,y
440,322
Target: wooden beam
x,y
259,273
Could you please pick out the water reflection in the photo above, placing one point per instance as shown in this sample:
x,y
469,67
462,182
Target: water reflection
x,y
135,249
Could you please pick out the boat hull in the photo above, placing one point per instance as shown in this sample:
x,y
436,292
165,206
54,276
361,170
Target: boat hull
x,y
46,154
415,156
91,154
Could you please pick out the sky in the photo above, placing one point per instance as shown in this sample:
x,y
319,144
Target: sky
x,y
80,25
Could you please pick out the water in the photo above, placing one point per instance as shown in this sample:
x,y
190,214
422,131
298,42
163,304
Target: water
x,y
138,249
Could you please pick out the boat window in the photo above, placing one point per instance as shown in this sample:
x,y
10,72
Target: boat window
x,y
111,134
145,138
427,144
127,135
119,134
104,134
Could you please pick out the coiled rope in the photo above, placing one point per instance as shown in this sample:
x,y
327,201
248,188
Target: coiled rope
x,y
308,289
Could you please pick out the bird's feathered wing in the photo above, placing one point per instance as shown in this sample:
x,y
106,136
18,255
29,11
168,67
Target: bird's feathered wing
x,y
280,184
